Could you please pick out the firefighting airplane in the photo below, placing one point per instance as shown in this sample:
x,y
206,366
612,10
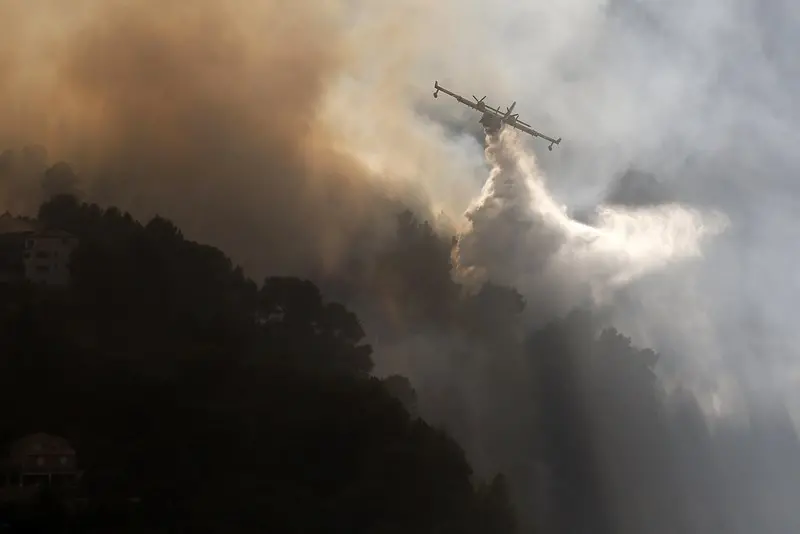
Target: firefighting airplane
x,y
493,119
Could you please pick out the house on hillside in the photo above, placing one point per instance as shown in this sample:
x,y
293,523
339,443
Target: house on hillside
x,y
13,232
42,459
35,462
28,252
47,255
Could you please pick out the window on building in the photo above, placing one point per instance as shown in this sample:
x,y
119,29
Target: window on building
x,y
29,243
42,269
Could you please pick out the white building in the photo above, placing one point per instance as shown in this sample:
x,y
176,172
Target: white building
x,y
29,252
47,256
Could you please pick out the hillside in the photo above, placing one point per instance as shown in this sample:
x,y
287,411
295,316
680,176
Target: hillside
x,y
220,403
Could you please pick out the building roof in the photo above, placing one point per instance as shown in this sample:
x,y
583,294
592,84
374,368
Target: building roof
x,y
12,225
54,233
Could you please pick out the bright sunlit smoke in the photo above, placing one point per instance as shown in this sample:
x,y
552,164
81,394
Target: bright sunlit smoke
x,y
521,236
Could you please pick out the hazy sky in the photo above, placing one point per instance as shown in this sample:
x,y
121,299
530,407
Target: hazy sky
x,y
289,134
699,93
334,99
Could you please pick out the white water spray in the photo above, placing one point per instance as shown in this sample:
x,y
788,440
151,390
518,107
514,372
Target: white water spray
x,y
521,236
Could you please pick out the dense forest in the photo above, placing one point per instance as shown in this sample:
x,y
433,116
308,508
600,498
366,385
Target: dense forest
x,y
222,404
226,405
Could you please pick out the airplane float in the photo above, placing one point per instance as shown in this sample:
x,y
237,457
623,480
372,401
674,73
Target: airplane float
x,y
493,119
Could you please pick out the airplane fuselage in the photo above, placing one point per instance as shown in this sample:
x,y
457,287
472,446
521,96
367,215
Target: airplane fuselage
x,y
491,123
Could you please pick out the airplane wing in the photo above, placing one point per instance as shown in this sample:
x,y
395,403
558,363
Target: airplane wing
x,y
502,114
468,103
495,111
524,127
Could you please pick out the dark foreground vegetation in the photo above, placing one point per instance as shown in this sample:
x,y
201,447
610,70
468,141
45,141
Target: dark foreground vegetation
x,y
200,401
217,404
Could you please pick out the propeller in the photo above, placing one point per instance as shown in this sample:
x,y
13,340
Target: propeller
x,y
478,101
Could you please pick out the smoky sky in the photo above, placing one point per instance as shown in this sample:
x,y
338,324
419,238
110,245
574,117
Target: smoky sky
x,y
290,135
701,96
208,113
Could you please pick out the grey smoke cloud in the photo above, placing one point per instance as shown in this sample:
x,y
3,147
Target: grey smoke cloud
x,y
520,236
287,135
211,113
700,95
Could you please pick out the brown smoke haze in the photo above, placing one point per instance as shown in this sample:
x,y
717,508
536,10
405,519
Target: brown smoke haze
x,y
207,112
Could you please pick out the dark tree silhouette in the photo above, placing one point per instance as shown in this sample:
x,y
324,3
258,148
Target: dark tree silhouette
x,y
229,406
223,406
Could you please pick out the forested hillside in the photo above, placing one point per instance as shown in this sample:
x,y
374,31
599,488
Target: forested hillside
x,y
224,405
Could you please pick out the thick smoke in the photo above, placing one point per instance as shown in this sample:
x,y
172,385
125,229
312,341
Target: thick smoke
x,y
212,113
289,135
521,236
701,94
